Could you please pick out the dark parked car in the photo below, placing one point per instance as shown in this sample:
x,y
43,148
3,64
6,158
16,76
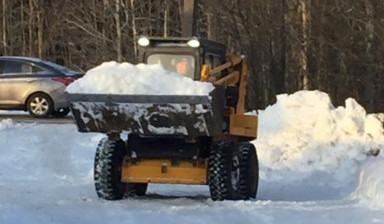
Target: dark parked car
x,y
34,85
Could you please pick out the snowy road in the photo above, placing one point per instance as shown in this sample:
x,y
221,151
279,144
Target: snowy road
x,y
46,177
26,118
78,204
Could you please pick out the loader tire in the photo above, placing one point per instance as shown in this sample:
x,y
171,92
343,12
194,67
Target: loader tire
x,y
219,170
107,169
232,171
249,170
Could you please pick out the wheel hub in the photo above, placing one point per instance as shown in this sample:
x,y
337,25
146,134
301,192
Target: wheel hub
x,y
39,106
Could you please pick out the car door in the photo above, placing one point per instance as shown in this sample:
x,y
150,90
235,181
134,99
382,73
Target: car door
x,y
16,82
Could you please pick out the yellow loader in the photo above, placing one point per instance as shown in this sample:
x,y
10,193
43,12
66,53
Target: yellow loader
x,y
207,146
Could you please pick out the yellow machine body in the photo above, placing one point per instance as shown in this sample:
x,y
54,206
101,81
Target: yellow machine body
x,y
164,171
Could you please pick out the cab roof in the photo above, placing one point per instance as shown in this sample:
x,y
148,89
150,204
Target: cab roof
x,y
167,42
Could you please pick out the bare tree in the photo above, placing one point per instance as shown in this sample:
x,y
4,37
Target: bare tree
x,y
31,26
118,30
370,85
333,46
4,28
134,29
40,27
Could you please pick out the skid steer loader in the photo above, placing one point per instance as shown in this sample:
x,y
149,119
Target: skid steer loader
x,y
207,138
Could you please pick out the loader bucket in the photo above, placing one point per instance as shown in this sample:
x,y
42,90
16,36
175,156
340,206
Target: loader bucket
x,y
149,114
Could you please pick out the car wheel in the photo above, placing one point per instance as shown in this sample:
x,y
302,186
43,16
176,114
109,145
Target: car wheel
x,y
61,112
39,105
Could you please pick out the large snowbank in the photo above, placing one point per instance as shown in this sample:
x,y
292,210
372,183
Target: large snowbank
x,y
371,184
126,78
309,144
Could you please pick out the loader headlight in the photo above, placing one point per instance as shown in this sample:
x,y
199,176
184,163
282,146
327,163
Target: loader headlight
x,y
194,43
143,41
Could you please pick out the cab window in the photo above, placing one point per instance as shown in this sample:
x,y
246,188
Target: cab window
x,y
182,64
212,60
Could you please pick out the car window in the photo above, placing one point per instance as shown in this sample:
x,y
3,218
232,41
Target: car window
x,y
61,68
16,67
2,67
36,69
13,67
26,68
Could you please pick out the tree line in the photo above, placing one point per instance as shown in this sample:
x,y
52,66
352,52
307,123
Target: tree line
x,y
335,46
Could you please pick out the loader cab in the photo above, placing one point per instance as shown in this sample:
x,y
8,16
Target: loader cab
x,y
185,56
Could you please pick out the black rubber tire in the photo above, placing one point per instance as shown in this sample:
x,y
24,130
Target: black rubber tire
x,y
237,187
39,105
219,170
107,169
232,171
250,170
62,112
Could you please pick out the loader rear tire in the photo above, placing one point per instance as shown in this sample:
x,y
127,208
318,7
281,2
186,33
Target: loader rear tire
x,y
107,169
250,170
218,170
232,171
227,172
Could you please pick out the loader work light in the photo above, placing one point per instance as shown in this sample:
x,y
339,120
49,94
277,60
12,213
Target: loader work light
x,y
194,43
143,41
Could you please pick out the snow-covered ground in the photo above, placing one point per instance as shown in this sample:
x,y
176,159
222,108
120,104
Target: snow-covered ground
x,y
14,112
317,165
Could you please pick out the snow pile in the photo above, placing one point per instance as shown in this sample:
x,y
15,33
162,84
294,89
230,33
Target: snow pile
x,y
125,78
371,186
304,137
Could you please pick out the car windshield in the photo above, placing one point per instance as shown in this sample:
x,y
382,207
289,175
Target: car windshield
x,y
182,64
61,68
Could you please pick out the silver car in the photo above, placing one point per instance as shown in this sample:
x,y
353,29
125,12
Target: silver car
x,y
34,85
